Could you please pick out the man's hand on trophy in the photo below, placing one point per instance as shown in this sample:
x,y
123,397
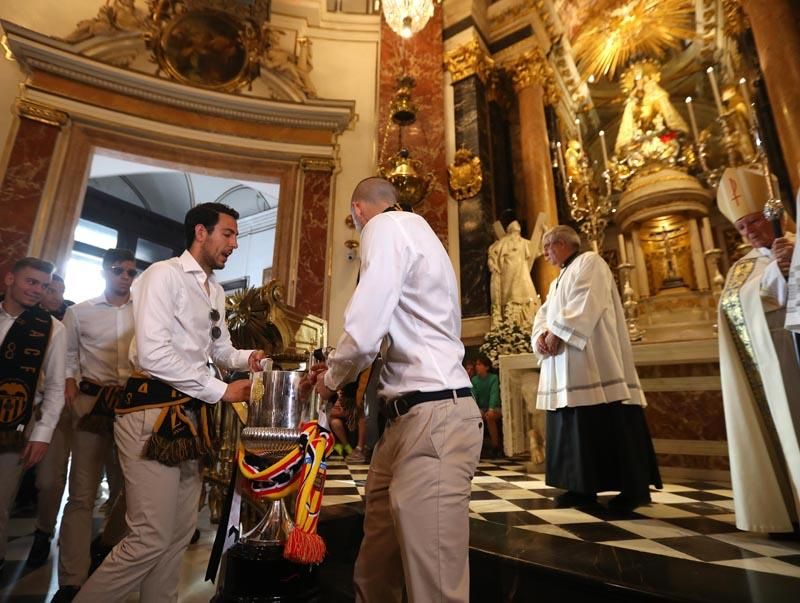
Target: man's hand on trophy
x,y
254,361
237,391
318,377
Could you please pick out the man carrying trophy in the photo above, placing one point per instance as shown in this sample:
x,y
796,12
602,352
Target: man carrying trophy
x,y
162,430
416,529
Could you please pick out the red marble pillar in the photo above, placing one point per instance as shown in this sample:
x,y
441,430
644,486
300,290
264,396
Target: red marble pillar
x,y
313,246
21,187
420,57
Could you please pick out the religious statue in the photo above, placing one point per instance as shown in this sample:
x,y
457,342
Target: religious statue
x,y
650,126
113,17
738,140
295,68
510,260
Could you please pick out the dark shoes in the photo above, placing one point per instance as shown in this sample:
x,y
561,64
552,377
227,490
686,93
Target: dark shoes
x,y
575,499
40,549
65,594
625,502
97,554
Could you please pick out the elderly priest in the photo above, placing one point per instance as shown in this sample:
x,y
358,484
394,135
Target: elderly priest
x,y
597,437
760,376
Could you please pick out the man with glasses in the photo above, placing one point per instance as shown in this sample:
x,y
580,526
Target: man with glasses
x,y
162,430
99,333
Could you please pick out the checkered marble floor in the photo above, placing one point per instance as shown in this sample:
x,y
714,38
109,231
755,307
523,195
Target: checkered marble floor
x,y
687,519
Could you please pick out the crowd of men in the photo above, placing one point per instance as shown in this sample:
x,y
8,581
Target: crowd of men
x,y
124,385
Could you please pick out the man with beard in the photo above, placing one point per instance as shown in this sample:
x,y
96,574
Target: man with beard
x,y
416,528
32,348
99,333
162,429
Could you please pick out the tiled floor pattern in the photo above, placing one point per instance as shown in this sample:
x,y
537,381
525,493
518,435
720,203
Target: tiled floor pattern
x,y
688,520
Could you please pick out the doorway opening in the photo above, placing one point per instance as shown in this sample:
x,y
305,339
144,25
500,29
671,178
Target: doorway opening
x,y
133,203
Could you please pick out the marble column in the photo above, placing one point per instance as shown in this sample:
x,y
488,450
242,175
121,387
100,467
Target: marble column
x,y
25,177
698,259
776,30
641,266
467,65
312,257
532,79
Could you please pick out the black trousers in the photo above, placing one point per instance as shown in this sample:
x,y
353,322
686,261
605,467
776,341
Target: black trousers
x,y
601,447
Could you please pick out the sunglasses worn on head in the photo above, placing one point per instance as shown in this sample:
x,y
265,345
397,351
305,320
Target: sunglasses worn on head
x,y
216,332
118,270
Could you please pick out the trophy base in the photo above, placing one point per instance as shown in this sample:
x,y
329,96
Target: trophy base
x,y
260,574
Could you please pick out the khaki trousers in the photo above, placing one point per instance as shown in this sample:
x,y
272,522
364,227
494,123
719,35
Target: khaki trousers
x,y
416,528
89,454
10,476
51,475
161,517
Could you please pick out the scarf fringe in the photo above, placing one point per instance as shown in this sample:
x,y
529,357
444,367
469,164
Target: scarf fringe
x,y
304,547
172,452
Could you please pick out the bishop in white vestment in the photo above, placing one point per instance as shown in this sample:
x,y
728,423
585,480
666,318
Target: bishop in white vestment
x,y
597,437
760,375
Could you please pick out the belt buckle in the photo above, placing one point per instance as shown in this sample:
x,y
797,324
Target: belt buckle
x,y
397,409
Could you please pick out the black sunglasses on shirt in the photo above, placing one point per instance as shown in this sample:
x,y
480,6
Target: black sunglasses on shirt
x,y
216,332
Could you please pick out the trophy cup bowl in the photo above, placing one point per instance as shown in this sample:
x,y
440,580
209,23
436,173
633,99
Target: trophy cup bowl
x,y
275,413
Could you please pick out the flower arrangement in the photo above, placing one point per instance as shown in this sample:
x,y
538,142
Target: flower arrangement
x,y
506,338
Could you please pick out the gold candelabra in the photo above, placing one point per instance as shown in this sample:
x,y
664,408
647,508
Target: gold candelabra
x,y
629,303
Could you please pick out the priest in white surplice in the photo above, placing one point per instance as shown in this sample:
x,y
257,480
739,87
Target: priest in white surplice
x,y
760,375
597,437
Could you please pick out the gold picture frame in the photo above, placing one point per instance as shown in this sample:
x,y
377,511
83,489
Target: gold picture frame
x,y
205,49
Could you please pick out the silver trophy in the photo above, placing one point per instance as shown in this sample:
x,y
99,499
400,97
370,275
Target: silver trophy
x,y
275,413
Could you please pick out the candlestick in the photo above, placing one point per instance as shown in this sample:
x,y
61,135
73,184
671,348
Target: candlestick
x,y
578,127
623,256
714,89
708,237
603,146
745,91
560,156
692,119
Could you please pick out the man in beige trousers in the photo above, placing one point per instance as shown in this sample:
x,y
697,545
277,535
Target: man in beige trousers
x,y
416,529
99,333
179,322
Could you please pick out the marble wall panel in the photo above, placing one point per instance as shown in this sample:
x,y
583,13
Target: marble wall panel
x,y
475,215
22,186
312,253
686,415
421,57
700,369
694,461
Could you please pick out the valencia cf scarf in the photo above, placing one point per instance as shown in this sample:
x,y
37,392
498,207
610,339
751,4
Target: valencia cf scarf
x,y
101,418
21,356
175,436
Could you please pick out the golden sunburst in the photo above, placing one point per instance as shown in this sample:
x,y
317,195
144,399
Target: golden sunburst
x,y
623,29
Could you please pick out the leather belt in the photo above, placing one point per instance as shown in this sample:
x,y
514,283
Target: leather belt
x,y
400,406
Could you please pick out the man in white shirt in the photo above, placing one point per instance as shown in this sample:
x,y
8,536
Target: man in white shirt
x,y
99,333
758,366
597,437
33,351
416,529
162,430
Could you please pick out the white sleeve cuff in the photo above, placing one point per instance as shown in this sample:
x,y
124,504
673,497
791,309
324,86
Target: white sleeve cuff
x,y
213,391
41,433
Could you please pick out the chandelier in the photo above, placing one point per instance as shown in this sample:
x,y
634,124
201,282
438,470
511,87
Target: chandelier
x,y
407,17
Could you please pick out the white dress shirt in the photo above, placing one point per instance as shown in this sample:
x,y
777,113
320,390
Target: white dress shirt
x,y
173,328
406,295
50,389
98,341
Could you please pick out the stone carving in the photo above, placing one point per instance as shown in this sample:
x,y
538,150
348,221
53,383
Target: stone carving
x,y
115,16
510,260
